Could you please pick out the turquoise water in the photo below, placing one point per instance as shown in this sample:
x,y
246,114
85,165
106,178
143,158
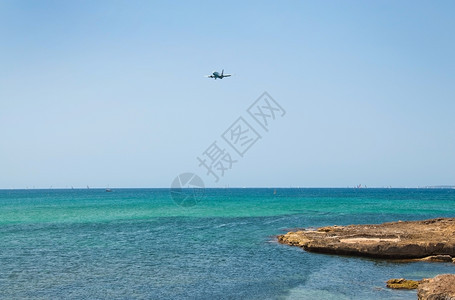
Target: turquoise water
x,y
137,243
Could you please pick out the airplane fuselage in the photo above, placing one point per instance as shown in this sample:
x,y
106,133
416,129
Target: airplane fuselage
x,y
216,75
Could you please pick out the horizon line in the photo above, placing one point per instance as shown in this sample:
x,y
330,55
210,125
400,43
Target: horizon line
x,y
234,187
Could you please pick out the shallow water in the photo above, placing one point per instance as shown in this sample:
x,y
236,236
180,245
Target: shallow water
x,y
137,243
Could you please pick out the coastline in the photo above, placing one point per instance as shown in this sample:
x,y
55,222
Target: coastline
x,y
431,240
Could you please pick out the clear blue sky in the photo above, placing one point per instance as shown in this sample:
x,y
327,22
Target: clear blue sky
x,y
112,93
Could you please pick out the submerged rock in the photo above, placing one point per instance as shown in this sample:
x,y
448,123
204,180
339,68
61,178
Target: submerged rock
x,y
400,240
402,284
441,287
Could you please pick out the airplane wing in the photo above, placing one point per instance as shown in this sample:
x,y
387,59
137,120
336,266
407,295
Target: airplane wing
x,y
227,75
209,76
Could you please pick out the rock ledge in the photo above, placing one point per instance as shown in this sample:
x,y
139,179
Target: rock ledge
x,y
395,240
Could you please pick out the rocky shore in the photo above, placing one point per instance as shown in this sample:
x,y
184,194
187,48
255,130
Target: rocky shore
x,y
429,240
394,240
441,287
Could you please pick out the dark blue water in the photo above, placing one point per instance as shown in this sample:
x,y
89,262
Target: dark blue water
x,y
137,243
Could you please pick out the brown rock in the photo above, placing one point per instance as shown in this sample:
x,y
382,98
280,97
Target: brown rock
x,y
402,284
407,239
438,258
441,287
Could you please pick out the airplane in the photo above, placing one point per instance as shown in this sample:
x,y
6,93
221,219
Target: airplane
x,y
218,75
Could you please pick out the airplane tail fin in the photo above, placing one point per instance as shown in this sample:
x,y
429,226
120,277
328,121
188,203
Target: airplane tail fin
x,y
222,72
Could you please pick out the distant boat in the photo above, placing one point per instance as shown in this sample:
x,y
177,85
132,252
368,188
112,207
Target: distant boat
x,y
108,190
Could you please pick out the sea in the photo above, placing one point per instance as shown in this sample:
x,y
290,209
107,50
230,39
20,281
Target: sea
x,y
141,244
